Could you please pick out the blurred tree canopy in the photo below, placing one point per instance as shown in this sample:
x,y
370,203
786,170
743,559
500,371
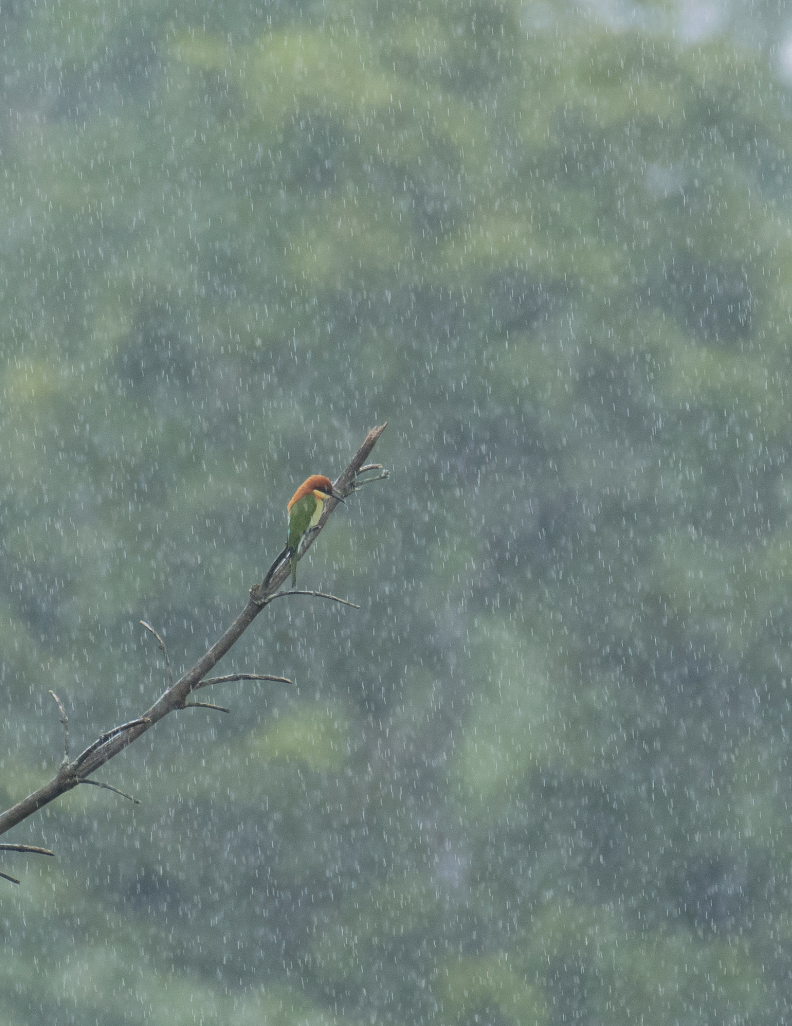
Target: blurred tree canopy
x,y
542,775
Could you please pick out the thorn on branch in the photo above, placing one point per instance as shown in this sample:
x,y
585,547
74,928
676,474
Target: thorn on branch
x,y
162,648
65,721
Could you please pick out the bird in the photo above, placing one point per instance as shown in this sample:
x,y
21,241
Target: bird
x,y
305,508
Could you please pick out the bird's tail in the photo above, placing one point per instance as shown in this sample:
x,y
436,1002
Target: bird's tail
x,y
288,551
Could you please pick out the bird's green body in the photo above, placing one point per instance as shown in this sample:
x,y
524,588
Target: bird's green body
x,y
305,511
303,515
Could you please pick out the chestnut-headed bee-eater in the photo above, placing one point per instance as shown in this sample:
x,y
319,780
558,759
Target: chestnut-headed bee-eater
x,y
305,508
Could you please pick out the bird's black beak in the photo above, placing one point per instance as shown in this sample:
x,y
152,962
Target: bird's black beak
x,y
337,495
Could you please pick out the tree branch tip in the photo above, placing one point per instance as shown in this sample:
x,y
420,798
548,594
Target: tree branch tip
x,y
11,879
148,627
370,480
60,704
27,849
109,787
163,648
232,677
65,722
317,594
205,705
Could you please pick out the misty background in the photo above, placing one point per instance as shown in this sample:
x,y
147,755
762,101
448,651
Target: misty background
x,y
542,775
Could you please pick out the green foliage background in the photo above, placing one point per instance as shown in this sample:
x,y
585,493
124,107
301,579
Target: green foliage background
x,y
542,775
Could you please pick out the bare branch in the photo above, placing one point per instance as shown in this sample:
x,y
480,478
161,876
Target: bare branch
x,y
229,678
65,722
11,879
205,705
317,594
357,485
109,787
111,743
162,648
31,849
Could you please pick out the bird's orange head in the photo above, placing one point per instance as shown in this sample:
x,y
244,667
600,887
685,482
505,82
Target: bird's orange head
x,y
320,485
